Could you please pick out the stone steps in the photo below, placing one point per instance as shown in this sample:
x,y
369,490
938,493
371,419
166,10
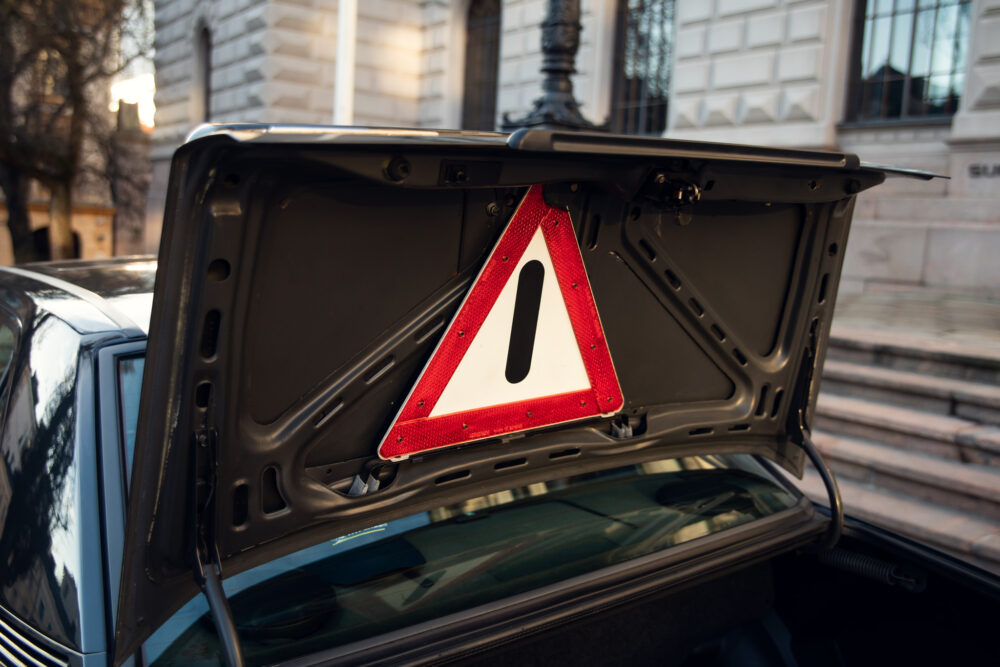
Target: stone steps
x,y
965,487
950,438
953,358
972,538
944,396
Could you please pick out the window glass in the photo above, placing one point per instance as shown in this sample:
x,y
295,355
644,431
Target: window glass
x,y
40,533
912,59
129,388
7,340
642,66
452,558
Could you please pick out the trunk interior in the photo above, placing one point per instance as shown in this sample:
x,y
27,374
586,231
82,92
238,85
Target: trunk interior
x,y
792,610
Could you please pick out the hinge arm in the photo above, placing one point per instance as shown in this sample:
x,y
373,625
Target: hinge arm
x,y
206,556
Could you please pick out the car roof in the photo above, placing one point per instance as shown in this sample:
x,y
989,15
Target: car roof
x,y
90,295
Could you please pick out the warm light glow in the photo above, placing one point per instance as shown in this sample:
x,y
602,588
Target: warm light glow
x,y
137,90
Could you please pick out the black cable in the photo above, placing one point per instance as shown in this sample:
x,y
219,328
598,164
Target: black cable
x,y
836,526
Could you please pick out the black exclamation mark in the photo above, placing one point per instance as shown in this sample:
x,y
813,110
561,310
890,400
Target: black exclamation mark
x,y
522,330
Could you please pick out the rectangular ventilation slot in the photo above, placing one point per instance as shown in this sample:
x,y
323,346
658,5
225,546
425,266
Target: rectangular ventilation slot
x,y
740,427
564,454
705,430
648,250
452,477
672,278
379,369
761,401
696,307
718,333
777,403
739,356
241,498
270,495
424,332
513,463
327,412
595,228
210,334
821,297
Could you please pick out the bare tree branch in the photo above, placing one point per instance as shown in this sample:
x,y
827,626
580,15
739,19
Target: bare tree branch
x,y
57,59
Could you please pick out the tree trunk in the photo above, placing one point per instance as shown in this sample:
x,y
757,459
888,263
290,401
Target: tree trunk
x,y
60,213
15,191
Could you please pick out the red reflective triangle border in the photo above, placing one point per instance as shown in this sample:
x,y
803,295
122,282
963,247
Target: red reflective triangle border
x,y
414,430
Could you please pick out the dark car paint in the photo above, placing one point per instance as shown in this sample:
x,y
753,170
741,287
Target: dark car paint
x,y
56,318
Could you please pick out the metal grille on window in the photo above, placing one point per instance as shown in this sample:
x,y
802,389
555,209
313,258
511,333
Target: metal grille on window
x,y
642,66
482,51
909,58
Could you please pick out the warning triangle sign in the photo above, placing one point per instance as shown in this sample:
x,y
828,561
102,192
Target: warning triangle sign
x,y
525,350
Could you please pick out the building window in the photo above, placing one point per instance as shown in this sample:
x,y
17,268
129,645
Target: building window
x,y
203,76
909,59
482,58
642,66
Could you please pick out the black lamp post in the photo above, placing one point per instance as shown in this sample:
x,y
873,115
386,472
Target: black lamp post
x,y
556,109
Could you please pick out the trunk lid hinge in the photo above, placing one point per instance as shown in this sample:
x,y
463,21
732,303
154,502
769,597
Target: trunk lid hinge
x,y
207,569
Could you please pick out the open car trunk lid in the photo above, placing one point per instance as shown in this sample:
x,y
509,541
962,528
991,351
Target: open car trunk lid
x,y
307,276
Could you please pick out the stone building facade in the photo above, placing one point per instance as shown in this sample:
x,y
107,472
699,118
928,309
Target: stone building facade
x,y
798,73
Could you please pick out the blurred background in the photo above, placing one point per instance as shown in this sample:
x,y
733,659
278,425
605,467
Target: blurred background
x,y
95,95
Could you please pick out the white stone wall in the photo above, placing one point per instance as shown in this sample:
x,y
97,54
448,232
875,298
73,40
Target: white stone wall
x,y
238,30
274,61
388,62
442,63
759,71
941,235
297,63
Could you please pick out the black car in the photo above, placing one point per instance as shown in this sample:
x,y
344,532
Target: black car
x,y
406,396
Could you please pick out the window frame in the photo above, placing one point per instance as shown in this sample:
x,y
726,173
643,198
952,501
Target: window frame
x,y
111,454
619,110
854,97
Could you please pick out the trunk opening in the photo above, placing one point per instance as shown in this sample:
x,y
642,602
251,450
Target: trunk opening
x,y
792,610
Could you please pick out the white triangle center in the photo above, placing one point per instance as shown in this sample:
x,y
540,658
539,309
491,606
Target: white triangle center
x,y
556,366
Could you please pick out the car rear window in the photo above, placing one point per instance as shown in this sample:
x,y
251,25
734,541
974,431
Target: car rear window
x,y
7,339
42,527
453,558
